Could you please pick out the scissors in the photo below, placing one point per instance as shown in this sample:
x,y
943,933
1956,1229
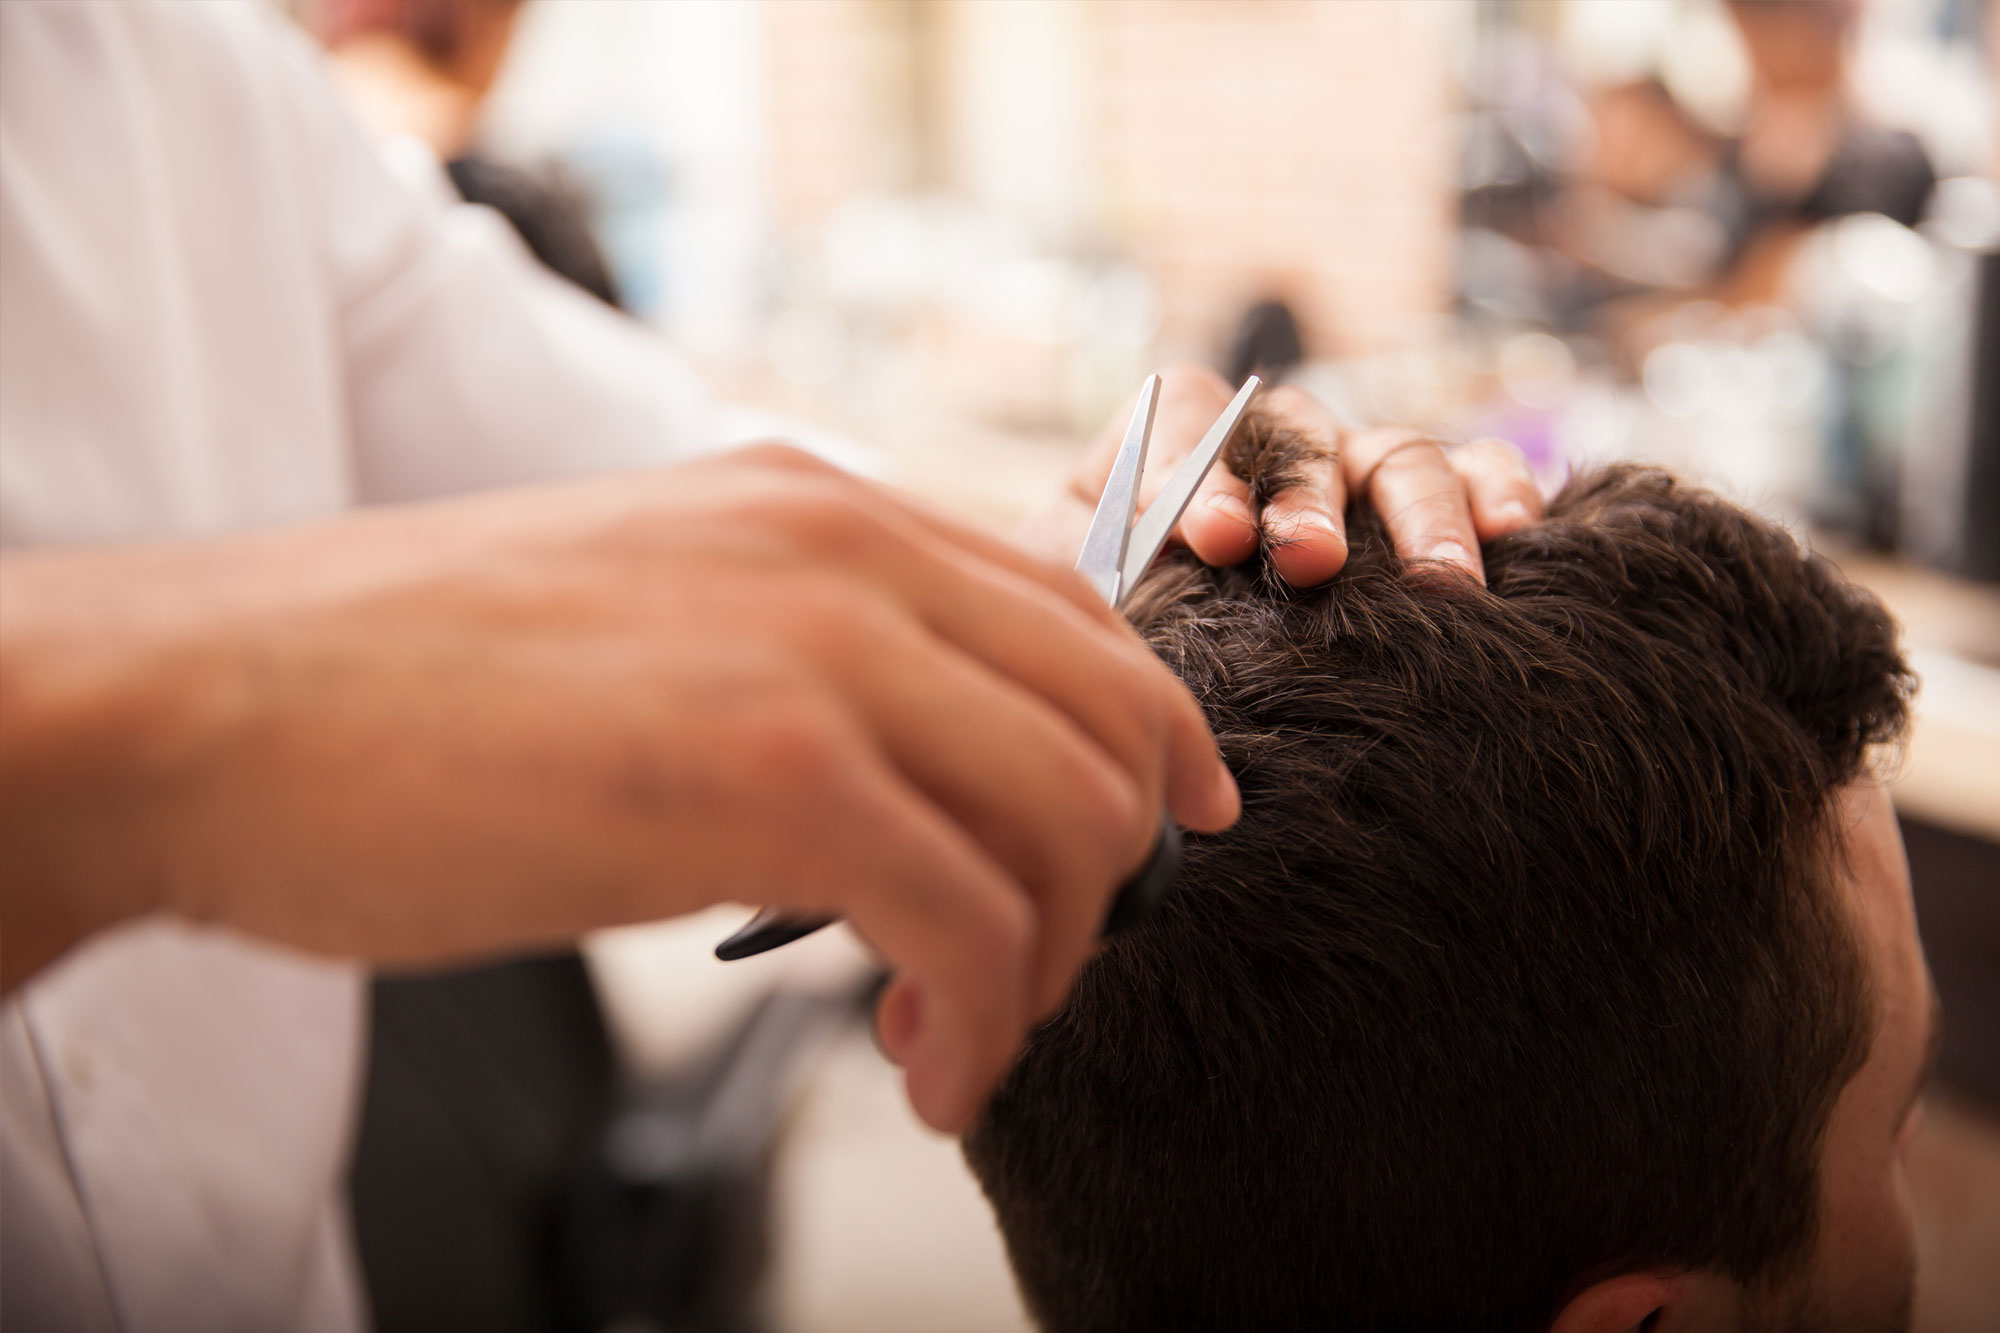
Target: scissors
x,y
1116,551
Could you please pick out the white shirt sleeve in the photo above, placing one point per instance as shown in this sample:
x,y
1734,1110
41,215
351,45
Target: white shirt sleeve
x,y
466,363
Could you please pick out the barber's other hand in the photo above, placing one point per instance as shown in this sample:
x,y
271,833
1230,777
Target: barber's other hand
x,y
426,733
1439,504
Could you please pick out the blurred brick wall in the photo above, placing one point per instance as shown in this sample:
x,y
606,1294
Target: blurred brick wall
x,y
1237,148
1295,147
839,81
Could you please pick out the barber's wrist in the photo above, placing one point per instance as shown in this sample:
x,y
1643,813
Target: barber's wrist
x,y
106,718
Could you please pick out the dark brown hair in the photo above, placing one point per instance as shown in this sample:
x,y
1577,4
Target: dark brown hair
x,y
1524,963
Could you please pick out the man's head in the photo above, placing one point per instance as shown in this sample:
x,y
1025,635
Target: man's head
x,y
1561,969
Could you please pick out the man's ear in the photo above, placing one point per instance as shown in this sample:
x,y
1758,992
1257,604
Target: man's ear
x,y
1620,1304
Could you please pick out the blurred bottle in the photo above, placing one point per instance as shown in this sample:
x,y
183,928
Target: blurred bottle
x,y
1950,507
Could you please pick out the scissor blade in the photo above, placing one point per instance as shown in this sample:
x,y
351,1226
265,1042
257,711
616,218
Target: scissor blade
x,y
1150,533
1103,556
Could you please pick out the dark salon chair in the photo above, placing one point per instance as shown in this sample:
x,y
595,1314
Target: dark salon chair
x,y
485,1089
669,1223
506,1180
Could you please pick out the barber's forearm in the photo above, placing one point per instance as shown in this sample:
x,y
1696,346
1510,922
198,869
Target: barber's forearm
x,y
98,712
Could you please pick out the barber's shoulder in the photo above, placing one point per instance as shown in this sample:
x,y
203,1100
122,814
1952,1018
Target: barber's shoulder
x,y
203,55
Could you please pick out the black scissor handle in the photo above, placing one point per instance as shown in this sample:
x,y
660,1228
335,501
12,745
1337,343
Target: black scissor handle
x,y
1137,897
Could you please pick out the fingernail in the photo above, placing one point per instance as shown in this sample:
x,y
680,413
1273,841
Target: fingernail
x,y
1454,553
1513,513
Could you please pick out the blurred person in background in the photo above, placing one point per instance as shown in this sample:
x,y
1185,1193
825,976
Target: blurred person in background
x,y
1804,154
236,718
1660,209
420,70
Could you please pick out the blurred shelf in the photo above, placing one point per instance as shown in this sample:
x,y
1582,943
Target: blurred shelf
x,y
1950,773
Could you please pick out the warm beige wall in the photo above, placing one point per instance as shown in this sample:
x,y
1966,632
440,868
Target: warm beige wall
x,y
1233,147
839,79
1283,145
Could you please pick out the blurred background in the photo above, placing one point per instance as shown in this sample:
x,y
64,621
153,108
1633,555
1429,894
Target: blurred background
x,y
942,240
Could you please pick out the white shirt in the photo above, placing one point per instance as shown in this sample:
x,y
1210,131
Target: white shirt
x,y
218,311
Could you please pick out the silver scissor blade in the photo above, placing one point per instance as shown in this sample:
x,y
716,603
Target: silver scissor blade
x,y
1103,556
1150,533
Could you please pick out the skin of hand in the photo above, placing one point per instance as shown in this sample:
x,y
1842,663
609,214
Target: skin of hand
x,y
430,732
1439,504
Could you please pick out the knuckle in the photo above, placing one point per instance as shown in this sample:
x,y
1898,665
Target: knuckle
x,y
1384,453
1102,813
1417,453
793,745
1494,463
1153,714
1440,512
1193,377
1505,455
827,523
1289,400
1299,413
1370,442
1493,449
781,456
1124,815
826,622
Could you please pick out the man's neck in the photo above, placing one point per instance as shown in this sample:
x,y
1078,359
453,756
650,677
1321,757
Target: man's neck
x,y
394,90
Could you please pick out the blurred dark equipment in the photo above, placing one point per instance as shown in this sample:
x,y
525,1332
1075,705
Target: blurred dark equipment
x,y
1267,344
1979,541
551,213
485,1090
504,1181
669,1222
1958,914
1950,487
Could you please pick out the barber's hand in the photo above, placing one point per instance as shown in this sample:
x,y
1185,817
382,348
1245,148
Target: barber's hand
x,y
426,733
1438,504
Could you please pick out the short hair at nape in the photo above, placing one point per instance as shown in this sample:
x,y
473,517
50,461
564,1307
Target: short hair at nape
x,y
1524,963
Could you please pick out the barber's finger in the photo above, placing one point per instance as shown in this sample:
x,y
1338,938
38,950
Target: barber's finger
x,y
1189,395
1218,525
1060,579
1420,498
959,935
1112,687
1038,624
1044,628
1303,524
1049,806
1500,484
